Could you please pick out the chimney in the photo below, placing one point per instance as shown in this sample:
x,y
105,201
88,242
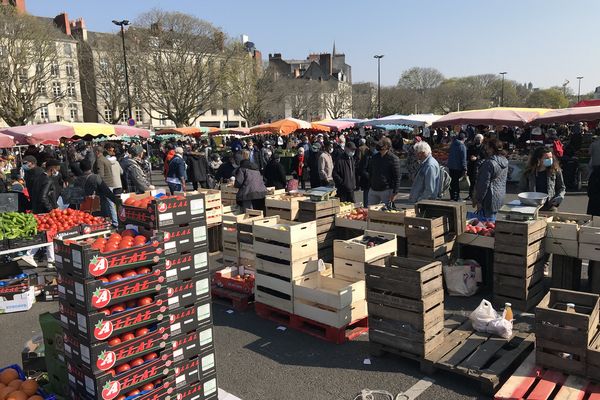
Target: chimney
x,y
78,29
19,5
62,22
325,63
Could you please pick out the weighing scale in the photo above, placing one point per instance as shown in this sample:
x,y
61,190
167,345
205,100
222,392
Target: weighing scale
x,y
515,211
321,193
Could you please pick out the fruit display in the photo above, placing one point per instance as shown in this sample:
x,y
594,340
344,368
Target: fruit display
x,y
480,227
370,241
155,211
15,225
15,386
358,214
63,220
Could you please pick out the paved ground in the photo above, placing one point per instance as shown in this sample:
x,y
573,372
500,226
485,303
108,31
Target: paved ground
x,y
255,361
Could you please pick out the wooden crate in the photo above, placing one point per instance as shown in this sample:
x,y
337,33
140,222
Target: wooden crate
x,y
328,291
454,212
287,269
589,251
426,231
348,269
325,224
473,239
516,265
404,277
377,214
228,195
352,249
561,247
325,240
566,272
442,251
271,191
331,205
285,206
234,216
342,222
520,238
590,233
292,252
274,290
559,229
284,231
559,331
394,337
214,216
592,358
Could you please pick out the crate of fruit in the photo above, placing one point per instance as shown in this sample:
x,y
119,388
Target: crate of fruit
x,y
370,246
383,213
284,205
278,229
154,209
236,278
478,233
590,233
354,219
564,225
27,388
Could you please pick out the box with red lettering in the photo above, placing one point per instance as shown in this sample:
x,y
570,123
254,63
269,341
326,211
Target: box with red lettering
x,y
131,287
205,389
163,389
187,264
154,213
132,347
105,254
187,292
190,318
190,371
179,238
189,345
122,381
107,323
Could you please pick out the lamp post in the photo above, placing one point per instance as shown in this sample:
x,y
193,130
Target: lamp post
x,y
502,90
123,24
378,57
579,78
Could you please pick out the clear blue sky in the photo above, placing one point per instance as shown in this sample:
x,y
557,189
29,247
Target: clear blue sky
x,y
542,41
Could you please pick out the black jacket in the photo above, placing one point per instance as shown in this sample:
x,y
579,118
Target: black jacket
x,y
313,166
48,200
275,174
344,170
363,170
93,184
225,171
197,167
384,172
32,179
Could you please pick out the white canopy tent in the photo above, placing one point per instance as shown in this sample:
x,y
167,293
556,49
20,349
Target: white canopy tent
x,y
414,120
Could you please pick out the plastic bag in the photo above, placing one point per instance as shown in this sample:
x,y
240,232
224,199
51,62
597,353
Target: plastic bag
x,y
500,327
464,183
462,278
483,315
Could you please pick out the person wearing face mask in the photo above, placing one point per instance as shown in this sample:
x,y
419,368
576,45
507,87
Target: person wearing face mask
x,y
344,173
49,189
325,165
490,187
475,156
384,174
426,185
543,175
32,174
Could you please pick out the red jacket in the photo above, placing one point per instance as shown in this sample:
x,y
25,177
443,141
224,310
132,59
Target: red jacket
x,y
168,159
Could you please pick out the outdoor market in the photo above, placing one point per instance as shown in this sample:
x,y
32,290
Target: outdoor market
x,y
144,240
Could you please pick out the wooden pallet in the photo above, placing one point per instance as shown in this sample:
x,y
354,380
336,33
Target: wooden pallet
x,y
530,381
236,300
485,358
329,333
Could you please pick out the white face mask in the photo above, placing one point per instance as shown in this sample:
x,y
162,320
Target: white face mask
x,y
330,151
55,173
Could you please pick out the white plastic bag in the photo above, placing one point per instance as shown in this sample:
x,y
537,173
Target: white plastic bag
x,y
461,280
483,315
500,327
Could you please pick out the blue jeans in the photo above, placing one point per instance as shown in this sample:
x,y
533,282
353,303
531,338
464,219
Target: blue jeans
x,y
174,187
109,209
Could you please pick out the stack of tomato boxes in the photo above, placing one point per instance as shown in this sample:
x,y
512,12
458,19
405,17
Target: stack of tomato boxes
x,y
128,302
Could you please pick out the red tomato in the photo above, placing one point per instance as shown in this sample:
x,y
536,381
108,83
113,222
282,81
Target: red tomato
x,y
141,332
143,270
115,277
125,245
144,301
115,236
140,238
129,274
127,337
110,246
131,304
103,279
128,232
147,387
117,308
151,356
114,341
157,382
136,362
105,311
122,368
134,392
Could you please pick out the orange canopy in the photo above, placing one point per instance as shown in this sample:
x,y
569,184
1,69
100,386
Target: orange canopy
x,y
288,125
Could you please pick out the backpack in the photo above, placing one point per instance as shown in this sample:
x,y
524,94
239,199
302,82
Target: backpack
x,y
557,146
444,181
75,192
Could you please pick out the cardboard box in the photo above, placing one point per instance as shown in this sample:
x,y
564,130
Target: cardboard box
x,y
190,371
187,292
186,265
205,389
21,299
189,345
190,318
161,212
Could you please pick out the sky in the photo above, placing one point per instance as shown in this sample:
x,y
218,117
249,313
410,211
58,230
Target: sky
x,y
538,41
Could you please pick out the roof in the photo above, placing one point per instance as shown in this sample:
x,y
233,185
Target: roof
x,y
60,35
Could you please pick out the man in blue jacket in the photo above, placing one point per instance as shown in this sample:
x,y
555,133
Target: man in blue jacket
x,y
176,175
457,164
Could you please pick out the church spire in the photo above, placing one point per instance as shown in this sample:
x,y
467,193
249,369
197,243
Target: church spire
x,y
333,54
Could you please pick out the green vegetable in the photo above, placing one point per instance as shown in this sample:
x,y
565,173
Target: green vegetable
x,y
14,225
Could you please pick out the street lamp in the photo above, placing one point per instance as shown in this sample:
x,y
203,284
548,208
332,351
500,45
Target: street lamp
x,y
502,90
378,57
123,24
579,78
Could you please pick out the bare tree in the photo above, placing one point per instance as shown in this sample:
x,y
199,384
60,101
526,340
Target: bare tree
x,y
364,100
103,76
421,79
27,50
303,97
337,98
176,65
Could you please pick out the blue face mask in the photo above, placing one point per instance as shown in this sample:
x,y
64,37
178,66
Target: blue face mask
x,y
26,167
547,162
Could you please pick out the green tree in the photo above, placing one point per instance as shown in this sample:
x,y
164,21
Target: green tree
x,y
547,98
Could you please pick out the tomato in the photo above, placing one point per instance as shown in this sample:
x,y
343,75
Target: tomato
x,y
114,236
125,245
110,247
147,387
139,240
117,308
122,368
134,392
141,332
114,341
136,362
105,311
151,356
144,301
115,277
143,270
128,232
157,382
103,279
127,336
131,304
129,274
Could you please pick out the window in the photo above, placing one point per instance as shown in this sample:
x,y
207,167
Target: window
x,y
71,89
213,111
68,50
224,111
108,114
139,115
125,115
69,69
73,112
56,90
23,76
44,112
41,87
54,69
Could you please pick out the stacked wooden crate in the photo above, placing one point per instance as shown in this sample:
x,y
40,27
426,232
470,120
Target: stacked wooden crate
x,y
406,305
562,232
455,212
228,195
284,250
323,213
429,238
382,219
245,238
519,259
351,255
589,240
563,335
231,218
284,205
